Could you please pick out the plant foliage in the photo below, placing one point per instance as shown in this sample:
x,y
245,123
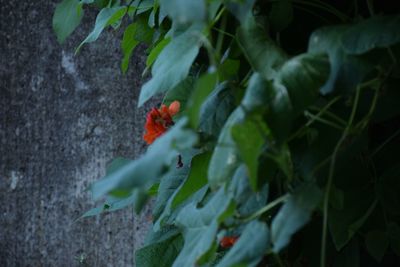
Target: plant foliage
x,y
288,135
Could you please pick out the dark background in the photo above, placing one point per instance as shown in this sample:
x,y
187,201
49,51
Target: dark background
x,y
63,117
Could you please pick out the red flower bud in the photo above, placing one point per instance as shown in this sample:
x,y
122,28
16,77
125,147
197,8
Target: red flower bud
x,y
228,241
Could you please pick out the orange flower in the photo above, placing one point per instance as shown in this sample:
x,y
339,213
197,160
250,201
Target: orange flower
x,y
228,241
159,120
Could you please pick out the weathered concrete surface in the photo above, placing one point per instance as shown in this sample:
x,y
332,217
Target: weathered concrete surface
x,y
62,119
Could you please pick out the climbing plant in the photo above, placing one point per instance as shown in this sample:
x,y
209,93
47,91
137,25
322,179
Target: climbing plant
x,y
278,137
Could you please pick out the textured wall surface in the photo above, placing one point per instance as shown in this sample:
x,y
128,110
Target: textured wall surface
x,y
62,119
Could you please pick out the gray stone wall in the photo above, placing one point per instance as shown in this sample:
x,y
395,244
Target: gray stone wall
x,y
63,117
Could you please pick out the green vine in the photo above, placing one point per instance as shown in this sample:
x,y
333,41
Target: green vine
x,y
277,140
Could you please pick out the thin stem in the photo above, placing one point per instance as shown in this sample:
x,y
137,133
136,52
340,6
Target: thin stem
x,y
325,108
224,32
267,207
330,114
387,141
331,173
217,17
317,118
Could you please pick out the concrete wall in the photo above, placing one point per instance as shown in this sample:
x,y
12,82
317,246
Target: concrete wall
x,y
62,119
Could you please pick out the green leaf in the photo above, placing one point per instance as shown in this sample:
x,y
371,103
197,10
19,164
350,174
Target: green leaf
x,y
346,71
240,9
377,243
180,93
215,110
281,14
203,87
302,77
262,53
200,226
106,17
156,51
248,201
170,183
250,248
295,213
145,171
128,45
295,87
250,136
228,69
136,33
184,11
172,65
66,18
160,254
196,180
225,158
375,32
344,223
169,214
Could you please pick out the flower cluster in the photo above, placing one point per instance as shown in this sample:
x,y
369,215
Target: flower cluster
x,y
159,120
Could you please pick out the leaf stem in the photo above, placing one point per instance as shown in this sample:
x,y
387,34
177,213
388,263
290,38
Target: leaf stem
x,y
322,111
331,173
268,207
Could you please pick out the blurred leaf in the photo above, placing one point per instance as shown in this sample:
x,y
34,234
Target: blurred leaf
x,y
196,180
262,53
136,33
336,198
106,17
240,9
203,87
161,254
145,171
66,18
375,32
250,248
156,51
170,183
199,227
172,65
248,201
128,45
180,93
225,158
302,77
295,213
228,69
184,11
346,71
216,109
250,136
377,243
